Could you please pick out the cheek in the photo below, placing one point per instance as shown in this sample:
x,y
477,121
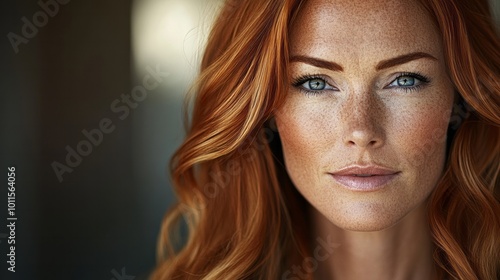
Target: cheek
x,y
304,132
421,137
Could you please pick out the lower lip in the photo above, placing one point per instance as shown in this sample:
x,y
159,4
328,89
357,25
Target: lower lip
x,y
364,184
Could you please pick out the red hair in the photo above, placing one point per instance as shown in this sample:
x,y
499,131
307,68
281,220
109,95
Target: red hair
x,y
464,209
245,218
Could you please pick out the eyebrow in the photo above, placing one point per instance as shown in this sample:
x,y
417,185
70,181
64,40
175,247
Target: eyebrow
x,y
398,60
317,62
402,59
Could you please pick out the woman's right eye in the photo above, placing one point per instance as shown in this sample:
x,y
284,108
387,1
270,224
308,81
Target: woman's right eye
x,y
313,84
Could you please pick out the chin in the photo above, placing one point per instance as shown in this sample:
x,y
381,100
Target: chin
x,y
366,227
365,221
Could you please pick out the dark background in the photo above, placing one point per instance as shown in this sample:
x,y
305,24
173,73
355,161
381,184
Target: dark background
x,y
105,215
100,221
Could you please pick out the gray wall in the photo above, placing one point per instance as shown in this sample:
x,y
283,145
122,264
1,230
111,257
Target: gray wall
x,y
56,84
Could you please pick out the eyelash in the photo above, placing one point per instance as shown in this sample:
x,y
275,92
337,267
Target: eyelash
x,y
416,75
298,82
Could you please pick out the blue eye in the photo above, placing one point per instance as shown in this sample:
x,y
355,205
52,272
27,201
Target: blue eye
x,y
408,81
312,84
315,84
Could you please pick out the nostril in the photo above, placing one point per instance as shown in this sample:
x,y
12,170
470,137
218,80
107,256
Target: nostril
x,y
364,142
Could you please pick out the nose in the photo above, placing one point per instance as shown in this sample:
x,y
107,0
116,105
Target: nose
x,y
363,121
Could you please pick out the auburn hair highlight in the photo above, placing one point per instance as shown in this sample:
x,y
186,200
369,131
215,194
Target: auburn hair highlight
x,y
246,220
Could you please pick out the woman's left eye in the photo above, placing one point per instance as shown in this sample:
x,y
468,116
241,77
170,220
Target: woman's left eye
x,y
408,81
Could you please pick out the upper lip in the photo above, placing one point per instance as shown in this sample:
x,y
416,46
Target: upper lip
x,y
373,170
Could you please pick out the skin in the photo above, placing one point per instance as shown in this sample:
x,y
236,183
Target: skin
x,y
363,116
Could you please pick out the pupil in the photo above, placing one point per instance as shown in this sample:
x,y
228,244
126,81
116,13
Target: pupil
x,y
406,81
317,84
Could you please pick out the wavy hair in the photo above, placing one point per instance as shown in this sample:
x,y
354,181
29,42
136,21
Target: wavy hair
x,y
244,217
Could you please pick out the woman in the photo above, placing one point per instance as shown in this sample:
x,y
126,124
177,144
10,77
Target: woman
x,y
341,140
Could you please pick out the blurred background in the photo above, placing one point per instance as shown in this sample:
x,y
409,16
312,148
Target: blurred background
x,y
91,112
116,68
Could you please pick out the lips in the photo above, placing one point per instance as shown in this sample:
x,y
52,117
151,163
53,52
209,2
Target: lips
x,y
364,178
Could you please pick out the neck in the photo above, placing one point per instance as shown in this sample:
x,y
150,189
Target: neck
x,y
403,251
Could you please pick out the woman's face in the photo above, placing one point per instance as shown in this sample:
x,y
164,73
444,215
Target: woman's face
x,y
364,125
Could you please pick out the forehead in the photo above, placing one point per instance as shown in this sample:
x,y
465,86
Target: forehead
x,y
346,26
